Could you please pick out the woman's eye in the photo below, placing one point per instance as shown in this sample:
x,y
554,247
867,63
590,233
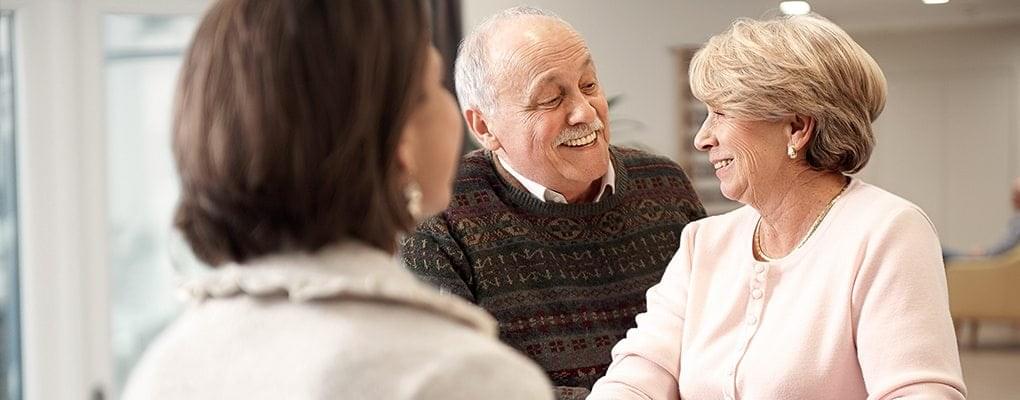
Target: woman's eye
x,y
589,87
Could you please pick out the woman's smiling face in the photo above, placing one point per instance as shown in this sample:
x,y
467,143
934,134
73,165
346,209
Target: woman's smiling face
x,y
747,154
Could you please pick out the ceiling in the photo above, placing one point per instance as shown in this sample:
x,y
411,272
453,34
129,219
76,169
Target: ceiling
x,y
882,15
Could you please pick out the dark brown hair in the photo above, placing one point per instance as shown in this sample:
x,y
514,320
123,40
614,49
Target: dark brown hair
x,y
288,114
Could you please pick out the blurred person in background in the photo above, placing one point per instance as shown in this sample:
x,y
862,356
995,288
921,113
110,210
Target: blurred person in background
x,y
1008,242
308,135
822,286
554,231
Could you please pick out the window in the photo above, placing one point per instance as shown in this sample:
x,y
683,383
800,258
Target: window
x,y
142,55
10,327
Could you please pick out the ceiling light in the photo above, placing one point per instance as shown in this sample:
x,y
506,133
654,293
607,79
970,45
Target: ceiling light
x,y
935,1
795,7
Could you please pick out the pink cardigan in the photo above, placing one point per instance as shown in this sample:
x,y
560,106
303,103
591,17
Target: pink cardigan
x,y
860,311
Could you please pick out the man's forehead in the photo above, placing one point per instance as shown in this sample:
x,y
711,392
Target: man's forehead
x,y
536,36
529,53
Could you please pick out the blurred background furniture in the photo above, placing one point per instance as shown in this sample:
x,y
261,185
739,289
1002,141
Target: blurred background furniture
x,y
983,289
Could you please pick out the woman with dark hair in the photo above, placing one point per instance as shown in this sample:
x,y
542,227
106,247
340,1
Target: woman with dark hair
x,y
308,135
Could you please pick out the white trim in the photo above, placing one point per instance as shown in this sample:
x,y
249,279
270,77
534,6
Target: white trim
x,y
155,7
51,263
15,4
95,279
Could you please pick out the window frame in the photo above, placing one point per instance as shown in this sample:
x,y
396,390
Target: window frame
x,y
14,340
64,280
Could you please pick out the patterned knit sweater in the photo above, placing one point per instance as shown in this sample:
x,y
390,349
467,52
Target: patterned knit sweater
x,y
564,280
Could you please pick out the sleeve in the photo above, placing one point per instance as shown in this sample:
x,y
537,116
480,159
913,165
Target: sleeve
x,y
646,363
906,345
1007,243
482,375
431,253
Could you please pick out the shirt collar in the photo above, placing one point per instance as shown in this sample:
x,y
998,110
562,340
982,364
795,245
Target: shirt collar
x,y
548,195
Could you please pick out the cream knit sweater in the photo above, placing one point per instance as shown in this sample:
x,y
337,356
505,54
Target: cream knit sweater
x,y
345,323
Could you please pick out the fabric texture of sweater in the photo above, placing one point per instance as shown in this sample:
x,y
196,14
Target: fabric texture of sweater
x,y
348,322
564,281
861,310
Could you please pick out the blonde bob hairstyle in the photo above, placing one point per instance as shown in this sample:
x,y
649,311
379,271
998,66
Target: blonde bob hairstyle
x,y
796,65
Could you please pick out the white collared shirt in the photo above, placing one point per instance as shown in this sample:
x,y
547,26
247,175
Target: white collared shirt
x,y
546,195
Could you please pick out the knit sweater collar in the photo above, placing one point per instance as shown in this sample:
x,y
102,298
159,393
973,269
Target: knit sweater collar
x,y
515,193
349,270
606,184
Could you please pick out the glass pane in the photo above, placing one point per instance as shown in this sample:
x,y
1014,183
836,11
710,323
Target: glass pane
x,y
10,328
143,54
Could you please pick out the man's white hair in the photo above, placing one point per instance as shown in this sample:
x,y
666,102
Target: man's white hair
x,y
474,73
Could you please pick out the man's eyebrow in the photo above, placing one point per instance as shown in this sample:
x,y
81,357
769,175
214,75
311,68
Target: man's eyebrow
x,y
552,77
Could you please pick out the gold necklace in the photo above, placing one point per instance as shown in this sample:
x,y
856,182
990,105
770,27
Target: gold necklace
x,y
814,226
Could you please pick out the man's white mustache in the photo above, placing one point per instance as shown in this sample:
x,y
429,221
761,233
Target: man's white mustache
x,y
578,131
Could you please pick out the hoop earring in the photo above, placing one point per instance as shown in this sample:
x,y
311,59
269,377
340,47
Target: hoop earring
x,y
413,195
791,151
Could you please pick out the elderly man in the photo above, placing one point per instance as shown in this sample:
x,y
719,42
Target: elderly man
x,y
551,229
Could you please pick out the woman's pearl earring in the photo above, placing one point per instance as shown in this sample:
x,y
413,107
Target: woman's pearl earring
x,y
791,151
413,195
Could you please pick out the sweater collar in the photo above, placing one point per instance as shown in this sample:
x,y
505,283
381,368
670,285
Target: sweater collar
x,y
515,193
349,270
545,194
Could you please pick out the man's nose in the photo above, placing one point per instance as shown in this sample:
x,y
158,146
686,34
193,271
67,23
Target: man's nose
x,y
583,112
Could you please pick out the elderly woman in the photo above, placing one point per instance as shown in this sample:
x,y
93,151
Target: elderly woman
x,y
308,135
823,287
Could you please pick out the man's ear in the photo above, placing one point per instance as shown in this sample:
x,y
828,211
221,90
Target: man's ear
x,y
480,129
802,129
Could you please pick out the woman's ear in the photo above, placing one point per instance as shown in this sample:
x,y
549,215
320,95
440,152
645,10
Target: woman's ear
x,y
802,129
406,160
480,129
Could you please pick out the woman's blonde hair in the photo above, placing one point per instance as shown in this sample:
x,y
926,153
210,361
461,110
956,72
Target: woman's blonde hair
x,y
805,65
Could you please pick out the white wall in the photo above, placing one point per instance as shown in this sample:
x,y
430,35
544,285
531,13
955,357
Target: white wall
x,y
947,141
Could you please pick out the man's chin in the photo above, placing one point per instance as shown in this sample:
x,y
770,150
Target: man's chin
x,y
588,169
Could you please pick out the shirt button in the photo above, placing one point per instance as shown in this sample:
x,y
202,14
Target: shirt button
x,y
756,293
759,268
760,278
728,397
751,320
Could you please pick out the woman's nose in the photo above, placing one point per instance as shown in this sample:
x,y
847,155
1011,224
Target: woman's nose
x,y
704,140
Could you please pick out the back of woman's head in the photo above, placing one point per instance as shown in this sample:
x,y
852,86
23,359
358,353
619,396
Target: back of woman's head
x,y
288,115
